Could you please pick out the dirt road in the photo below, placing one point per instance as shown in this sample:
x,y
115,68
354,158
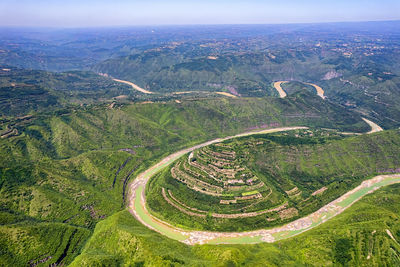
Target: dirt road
x,y
137,206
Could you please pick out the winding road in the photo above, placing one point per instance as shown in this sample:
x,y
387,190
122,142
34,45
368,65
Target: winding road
x,y
137,204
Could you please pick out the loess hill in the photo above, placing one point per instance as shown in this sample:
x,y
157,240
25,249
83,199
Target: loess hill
x,y
63,172
71,141
266,180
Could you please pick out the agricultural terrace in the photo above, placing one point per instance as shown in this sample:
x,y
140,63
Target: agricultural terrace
x,y
267,180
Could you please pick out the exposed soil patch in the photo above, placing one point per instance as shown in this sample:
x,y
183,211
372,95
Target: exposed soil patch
x,y
319,191
288,213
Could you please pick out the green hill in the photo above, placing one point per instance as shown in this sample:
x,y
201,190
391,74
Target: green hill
x,y
71,141
62,173
359,236
363,77
25,91
267,180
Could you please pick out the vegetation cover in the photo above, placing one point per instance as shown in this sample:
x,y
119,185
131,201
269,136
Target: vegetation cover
x,y
263,181
64,172
72,139
359,236
24,91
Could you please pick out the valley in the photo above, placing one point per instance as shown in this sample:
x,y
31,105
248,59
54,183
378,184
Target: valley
x,y
138,206
134,86
200,145
282,93
268,235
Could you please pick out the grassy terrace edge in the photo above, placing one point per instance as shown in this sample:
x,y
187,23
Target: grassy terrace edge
x,y
137,206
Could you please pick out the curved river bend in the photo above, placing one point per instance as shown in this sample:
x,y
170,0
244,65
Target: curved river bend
x,y
137,206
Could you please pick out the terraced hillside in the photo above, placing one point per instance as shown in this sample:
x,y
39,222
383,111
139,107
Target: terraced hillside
x,y
266,180
24,91
357,237
217,173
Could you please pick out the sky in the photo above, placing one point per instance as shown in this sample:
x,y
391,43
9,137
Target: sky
x,y
91,13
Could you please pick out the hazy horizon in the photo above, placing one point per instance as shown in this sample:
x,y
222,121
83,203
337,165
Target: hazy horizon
x,y
188,25
121,13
